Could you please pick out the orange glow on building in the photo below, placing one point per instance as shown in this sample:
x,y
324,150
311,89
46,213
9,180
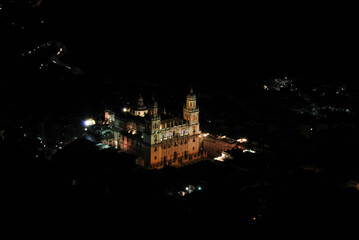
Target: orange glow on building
x,y
158,142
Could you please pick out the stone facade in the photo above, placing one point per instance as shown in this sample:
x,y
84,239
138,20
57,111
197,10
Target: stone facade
x,y
158,139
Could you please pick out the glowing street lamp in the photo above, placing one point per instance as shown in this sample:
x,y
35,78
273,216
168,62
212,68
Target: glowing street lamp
x,y
88,122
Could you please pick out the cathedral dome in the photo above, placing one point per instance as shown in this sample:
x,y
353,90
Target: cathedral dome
x,y
140,105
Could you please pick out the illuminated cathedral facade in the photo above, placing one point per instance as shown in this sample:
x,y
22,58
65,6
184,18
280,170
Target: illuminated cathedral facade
x,y
157,139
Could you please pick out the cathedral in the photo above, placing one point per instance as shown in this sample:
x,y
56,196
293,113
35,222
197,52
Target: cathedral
x,y
157,139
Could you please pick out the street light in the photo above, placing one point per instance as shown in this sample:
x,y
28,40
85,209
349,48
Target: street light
x,y
88,122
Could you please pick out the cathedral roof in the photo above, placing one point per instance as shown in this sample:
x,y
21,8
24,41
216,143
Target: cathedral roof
x,y
153,102
191,95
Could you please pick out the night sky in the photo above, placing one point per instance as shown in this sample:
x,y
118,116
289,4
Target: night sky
x,y
213,40
199,40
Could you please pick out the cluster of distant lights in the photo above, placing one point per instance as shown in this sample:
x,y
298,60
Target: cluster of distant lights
x,y
189,189
32,51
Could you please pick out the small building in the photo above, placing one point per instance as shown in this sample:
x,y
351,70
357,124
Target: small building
x,y
214,146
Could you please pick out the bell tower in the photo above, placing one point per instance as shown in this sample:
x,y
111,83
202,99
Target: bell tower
x,y
191,110
153,122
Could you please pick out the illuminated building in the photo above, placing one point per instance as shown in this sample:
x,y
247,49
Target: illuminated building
x,y
214,146
157,139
